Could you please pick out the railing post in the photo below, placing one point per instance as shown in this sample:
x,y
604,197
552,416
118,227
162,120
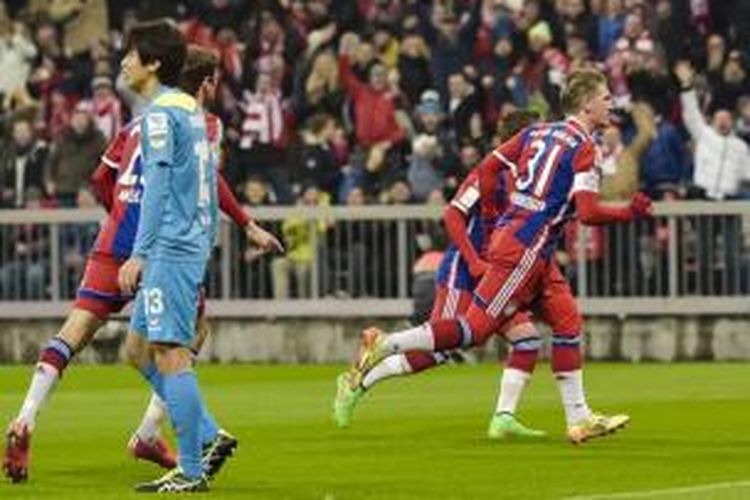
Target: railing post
x,y
672,263
54,255
581,260
401,259
225,246
316,254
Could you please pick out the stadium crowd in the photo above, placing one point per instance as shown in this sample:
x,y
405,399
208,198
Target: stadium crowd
x,y
384,101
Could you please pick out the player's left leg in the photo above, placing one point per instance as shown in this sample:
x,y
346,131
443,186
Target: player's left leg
x,y
525,342
559,309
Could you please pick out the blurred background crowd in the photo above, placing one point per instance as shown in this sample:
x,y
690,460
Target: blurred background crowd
x,y
385,101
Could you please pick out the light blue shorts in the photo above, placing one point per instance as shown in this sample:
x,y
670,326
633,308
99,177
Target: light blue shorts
x,y
166,306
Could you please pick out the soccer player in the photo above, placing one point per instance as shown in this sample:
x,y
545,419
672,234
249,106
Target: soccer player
x,y
467,222
175,235
553,170
118,185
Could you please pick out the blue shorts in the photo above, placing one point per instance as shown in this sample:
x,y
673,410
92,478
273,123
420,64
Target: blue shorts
x,y
166,305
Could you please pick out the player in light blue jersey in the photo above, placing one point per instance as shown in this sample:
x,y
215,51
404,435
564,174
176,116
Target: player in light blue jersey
x,y
177,228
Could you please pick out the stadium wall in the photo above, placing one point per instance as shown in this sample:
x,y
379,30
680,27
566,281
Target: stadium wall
x,y
634,339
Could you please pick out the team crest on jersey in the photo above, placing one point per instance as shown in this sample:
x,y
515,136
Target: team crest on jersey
x,y
158,127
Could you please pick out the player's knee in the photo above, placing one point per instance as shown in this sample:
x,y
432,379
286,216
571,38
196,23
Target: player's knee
x,y
172,359
521,331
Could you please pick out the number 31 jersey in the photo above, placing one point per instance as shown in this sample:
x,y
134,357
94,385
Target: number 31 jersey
x,y
548,163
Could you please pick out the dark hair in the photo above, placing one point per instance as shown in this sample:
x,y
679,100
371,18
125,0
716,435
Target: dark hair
x,y
160,41
200,63
317,122
517,121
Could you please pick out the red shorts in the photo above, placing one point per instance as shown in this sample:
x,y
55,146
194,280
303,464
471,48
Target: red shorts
x,y
99,292
453,302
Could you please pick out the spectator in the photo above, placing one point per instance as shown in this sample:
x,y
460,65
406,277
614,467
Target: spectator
x,y
320,91
414,67
74,156
733,84
25,256
664,166
722,160
261,147
17,51
743,121
620,162
106,106
301,249
255,192
315,162
463,109
609,27
22,163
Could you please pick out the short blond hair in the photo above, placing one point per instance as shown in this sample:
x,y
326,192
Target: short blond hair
x,y
579,87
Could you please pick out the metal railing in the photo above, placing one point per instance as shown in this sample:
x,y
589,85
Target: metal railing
x,y
692,258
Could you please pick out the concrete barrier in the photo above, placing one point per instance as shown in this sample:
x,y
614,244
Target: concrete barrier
x,y
631,339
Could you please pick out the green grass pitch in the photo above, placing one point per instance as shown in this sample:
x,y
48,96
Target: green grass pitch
x,y
416,438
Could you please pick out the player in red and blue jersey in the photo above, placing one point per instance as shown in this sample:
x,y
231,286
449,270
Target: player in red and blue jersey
x,y
469,219
117,185
554,174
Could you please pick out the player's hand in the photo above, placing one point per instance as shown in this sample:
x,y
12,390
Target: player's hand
x,y
477,268
641,205
262,239
130,275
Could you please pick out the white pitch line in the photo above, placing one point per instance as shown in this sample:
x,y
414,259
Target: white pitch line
x,y
663,492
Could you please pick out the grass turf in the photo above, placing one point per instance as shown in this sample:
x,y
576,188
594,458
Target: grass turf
x,y
418,438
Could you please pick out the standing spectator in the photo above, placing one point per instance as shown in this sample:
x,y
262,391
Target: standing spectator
x,y
722,160
378,133
320,91
16,53
106,107
261,147
314,162
414,67
743,121
300,241
664,165
464,109
74,156
609,27
733,84
21,165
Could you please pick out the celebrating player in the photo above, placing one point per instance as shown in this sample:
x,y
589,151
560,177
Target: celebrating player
x,y
118,185
553,170
468,222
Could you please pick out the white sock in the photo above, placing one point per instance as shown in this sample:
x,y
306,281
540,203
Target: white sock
x,y
512,385
44,380
573,396
152,419
391,366
418,338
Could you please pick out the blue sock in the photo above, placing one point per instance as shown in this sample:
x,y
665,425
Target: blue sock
x,y
209,429
185,407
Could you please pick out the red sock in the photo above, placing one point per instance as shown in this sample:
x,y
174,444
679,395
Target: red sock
x,y
566,352
523,354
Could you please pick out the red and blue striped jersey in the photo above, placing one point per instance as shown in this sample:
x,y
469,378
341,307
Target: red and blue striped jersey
x,y
481,211
123,154
548,164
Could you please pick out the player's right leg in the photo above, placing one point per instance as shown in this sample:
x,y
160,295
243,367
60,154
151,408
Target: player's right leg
x,y
97,298
559,310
